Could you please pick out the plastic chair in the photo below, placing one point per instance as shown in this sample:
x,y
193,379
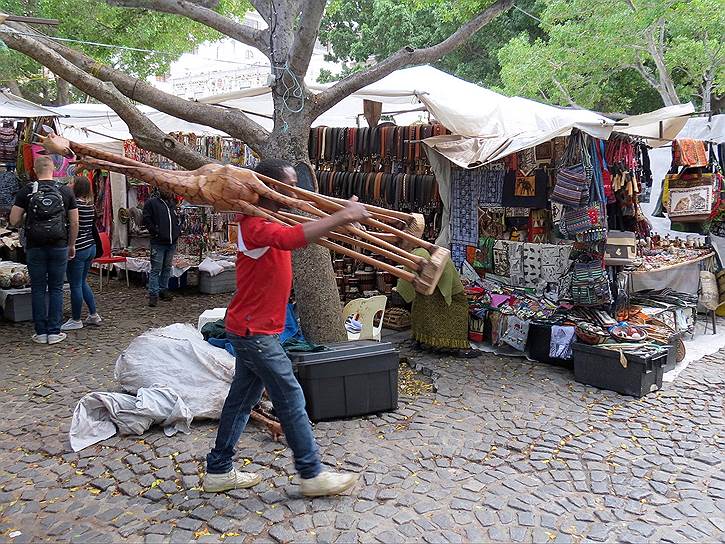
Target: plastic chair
x,y
366,311
107,259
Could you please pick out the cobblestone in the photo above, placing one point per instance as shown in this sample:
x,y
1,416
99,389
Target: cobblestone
x,y
504,451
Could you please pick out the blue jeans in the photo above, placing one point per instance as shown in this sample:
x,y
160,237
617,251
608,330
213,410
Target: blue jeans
x,y
262,363
46,267
161,257
80,291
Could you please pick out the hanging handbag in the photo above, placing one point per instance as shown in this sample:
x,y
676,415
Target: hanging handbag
x,y
590,284
571,185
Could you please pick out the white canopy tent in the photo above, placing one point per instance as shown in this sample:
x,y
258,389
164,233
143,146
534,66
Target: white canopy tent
x,y
14,107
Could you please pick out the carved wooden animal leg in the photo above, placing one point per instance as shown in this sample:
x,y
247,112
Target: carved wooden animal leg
x,y
413,265
397,272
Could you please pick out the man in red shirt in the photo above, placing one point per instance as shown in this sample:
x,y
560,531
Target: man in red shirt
x,y
254,318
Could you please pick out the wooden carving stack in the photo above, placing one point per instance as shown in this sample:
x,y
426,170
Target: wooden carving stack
x,y
232,189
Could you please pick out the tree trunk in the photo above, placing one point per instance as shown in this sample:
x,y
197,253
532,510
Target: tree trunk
x,y
707,85
62,96
315,288
15,88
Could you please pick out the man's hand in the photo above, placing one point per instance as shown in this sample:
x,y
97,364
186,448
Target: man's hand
x,y
354,212
71,253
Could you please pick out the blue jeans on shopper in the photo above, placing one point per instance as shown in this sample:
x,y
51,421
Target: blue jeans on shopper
x,y
46,267
162,256
263,364
80,291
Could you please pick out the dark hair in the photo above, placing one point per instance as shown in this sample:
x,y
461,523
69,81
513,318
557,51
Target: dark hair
x,y
81,187
274,168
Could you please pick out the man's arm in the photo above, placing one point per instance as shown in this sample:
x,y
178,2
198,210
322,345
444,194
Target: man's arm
x,y
148,218
353,212
16,216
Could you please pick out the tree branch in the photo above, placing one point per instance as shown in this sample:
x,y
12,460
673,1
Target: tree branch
x,y
405,57
565,93
208,17
306,37
148,135
262,7
228,120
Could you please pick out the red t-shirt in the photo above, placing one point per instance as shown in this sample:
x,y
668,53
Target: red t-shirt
x,y
264,276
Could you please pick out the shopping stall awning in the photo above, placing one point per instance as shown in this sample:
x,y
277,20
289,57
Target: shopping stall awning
x,y
99,126
14,107
659,127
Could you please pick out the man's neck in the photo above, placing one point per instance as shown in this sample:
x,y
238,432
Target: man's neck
x,y
45,179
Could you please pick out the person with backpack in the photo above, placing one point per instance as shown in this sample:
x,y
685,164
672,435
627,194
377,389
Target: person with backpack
x,y
51,228
80,265
162,221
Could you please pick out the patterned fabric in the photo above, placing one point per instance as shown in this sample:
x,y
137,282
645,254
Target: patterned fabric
x,y
572,185
438,324
8,187
561,340
470,189
689,153
458,254
517,332
527,160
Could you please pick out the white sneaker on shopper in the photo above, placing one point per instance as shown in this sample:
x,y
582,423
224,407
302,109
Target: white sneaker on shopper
x,y
234,479
328,483
94,319
40,338
72,325
56,338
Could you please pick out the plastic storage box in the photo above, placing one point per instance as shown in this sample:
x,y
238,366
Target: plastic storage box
x,y
540,342
349,379
602,368
224,282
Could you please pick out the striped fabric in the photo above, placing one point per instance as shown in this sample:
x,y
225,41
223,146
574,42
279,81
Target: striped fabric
x,y
86,216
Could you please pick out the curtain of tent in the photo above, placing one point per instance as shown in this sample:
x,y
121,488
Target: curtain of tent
x,y
441,167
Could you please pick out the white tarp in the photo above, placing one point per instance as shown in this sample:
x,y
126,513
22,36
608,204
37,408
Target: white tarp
x,y
12,106
659,126
97,123
98,416
179,358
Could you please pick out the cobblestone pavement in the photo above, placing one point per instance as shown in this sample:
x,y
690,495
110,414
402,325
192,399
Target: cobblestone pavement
x,y
504,451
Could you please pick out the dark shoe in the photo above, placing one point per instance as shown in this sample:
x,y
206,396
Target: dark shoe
x,y
166,296
153,301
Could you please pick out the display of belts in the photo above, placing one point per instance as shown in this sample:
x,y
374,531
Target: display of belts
x,y
386,166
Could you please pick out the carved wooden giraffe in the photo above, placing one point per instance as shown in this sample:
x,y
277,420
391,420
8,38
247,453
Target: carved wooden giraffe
x,y
229,188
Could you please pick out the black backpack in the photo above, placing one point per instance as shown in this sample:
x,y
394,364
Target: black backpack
x,y
46,221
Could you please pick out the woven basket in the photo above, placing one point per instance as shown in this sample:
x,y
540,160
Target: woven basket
x,y
591,338
397,319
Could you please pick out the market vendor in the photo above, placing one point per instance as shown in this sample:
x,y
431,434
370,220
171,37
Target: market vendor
x,y
440,320
253,322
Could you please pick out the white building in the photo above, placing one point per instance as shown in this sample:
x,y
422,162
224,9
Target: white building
x,y
227,66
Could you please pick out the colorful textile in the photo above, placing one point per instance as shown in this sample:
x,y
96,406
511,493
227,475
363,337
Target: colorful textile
x,y
438,324
561,341
469,190
517,333
689,153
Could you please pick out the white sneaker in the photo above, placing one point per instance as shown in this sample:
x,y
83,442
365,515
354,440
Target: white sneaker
x,y
328,483
72,325
56,338
234,479
94,319
40,338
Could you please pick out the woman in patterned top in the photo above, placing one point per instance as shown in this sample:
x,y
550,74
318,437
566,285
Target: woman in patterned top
x,y
79,266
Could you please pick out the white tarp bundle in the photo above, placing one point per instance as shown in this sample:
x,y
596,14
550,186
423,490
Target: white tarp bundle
x,y
98,416
14,107
179,358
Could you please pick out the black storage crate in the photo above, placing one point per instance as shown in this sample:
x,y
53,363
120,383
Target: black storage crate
x,y
349,379
602,368
539,343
